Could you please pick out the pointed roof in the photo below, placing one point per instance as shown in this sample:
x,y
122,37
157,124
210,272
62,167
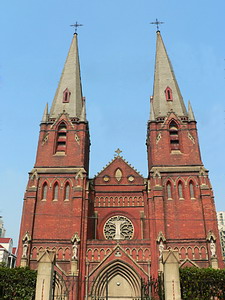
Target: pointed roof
x,y
118,157
70,82
164,78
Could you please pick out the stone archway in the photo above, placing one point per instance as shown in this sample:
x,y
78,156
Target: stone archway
x,y
117,281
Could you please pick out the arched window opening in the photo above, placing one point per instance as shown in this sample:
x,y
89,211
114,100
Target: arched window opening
x,y
180,190
56,192
67,191
61,138
174,137
169,190
169,94
44,191
66,96
192,191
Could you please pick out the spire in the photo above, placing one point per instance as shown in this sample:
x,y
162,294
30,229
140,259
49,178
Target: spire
x,y
191,116
45,114
166,96
68,97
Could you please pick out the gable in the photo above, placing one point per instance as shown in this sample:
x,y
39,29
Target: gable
x,y
119,172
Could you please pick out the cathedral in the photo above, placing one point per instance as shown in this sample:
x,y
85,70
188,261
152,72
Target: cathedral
x,y
108,233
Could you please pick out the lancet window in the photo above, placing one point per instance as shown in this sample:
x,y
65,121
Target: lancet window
x,y
169,94
169,190
61,138
66,96
67,191
180,190
191,189
56,191
44,191
174,137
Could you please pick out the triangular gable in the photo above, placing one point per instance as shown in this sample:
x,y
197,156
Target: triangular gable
x,y
188,263
119,171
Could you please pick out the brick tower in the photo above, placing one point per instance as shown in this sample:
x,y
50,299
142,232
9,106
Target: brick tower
x,y
182,205
108,232
55,210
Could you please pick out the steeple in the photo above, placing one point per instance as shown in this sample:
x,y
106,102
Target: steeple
x,y
68,97
166,95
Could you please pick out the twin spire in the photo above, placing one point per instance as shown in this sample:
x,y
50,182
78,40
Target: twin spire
x,y
68,97
166,95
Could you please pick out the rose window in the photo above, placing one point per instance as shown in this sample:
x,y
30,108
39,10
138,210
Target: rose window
x,y
118,228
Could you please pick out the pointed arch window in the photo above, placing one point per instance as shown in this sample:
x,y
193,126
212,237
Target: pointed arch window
x,y
66,96
192,190
174,136
180,190
67,191
61,138
56,191
169,190
44,191
169,94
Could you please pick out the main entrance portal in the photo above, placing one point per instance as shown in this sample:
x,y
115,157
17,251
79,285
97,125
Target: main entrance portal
x,y
118,281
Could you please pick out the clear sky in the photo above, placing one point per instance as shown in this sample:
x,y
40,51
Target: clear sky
x,y
117,51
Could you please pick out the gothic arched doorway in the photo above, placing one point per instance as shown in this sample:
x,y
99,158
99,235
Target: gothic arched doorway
x,y
117,281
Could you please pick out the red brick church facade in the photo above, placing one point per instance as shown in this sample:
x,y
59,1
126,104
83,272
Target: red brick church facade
x,y
113,228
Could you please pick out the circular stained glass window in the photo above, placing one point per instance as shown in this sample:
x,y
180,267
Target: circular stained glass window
x,y
118,228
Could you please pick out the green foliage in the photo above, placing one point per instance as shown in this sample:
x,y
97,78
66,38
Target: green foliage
x,y
17,284
202,284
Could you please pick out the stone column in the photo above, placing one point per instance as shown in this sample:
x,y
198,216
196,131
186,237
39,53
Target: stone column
x,y
171,275
46,262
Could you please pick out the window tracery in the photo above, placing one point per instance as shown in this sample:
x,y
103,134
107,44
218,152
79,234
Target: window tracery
x,y
118,228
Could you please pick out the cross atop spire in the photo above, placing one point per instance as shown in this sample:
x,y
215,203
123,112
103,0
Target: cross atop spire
x,y
76,25
157,23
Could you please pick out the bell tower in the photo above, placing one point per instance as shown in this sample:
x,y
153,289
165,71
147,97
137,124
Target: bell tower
x,y
55,209
182,199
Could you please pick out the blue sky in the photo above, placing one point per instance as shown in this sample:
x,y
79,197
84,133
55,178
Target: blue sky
x,y
117,51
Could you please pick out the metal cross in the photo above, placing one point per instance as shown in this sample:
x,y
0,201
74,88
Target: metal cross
x,y
76,25
157,22
118,151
